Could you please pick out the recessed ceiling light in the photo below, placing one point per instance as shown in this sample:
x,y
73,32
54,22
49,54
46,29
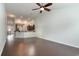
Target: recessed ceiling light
x,y
18,21
11,15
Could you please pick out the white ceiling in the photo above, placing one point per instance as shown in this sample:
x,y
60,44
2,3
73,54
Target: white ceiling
x,y
25,9
21,9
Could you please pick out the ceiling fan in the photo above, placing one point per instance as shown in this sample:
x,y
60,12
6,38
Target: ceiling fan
x,y
43,7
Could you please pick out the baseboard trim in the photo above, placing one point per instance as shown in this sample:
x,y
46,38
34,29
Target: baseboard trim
x,y
60,42
3,47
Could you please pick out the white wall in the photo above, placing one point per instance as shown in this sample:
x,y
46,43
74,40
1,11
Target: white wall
x,y
2,27
61,24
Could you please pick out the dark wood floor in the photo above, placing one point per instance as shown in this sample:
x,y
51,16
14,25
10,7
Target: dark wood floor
x,y
38,47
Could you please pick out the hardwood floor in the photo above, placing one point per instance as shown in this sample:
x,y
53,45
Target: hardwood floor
x,y
37,47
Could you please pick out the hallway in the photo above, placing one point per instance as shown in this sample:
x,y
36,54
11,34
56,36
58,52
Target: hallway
x,y
38,47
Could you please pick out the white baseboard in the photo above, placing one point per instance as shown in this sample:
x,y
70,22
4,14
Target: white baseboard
x,y
2,47
59,42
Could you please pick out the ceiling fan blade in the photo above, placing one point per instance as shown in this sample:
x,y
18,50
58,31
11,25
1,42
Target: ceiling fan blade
x,y
36,9
49,4
40,11
47,9
38,4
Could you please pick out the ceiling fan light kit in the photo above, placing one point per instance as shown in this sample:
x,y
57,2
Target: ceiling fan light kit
x,y
43,7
